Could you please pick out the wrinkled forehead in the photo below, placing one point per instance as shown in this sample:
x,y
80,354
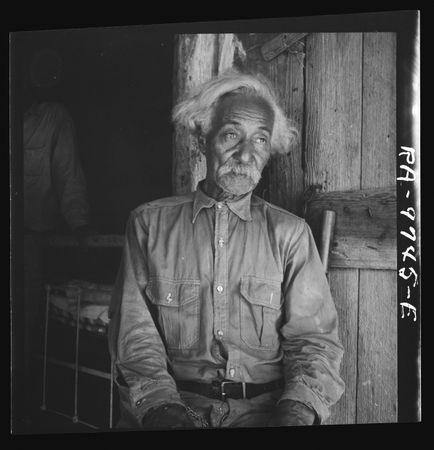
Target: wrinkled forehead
x,y
240,107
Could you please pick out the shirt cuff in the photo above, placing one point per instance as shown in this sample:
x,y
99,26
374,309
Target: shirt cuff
x,y
155,395
299,391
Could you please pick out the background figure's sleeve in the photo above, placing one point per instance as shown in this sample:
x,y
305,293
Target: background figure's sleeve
x,y
68,175
312,350
136,347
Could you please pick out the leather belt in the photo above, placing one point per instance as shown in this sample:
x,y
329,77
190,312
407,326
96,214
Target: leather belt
x,y
224,389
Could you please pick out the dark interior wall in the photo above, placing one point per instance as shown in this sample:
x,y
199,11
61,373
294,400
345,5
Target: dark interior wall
x,y
117,85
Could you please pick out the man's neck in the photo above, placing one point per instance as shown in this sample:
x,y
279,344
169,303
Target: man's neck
x,y
217,193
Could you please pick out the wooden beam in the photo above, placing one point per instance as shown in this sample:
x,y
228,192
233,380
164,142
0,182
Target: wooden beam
x,y
279,44
365,231
94,241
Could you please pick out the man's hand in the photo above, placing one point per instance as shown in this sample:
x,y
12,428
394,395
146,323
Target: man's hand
x,y
168,416
290,413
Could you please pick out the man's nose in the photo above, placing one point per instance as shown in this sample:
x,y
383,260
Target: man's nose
x,y
245,151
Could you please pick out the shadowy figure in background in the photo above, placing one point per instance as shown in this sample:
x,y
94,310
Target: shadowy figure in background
x,y
54,184
55,195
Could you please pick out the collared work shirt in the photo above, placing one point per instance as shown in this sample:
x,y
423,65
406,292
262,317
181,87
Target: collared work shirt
x,y
54,185
211,291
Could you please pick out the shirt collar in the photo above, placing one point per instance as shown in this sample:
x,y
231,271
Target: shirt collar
x,y
240,207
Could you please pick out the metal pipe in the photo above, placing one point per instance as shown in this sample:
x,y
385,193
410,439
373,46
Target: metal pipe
x,y
44,381
77,341
53,411
111,394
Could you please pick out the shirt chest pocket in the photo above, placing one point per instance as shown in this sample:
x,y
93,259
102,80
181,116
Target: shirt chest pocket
x,y
177,303
260,310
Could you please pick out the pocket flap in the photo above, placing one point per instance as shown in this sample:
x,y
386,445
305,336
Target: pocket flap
x,y
261,292
172,293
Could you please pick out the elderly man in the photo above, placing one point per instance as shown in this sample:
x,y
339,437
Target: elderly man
x,y
221,314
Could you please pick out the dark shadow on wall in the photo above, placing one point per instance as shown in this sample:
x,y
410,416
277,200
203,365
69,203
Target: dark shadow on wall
x,y
117,85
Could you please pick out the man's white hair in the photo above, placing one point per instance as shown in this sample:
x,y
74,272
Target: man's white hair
x,y
195,111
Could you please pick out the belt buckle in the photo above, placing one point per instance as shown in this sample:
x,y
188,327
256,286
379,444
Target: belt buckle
x,y
222,388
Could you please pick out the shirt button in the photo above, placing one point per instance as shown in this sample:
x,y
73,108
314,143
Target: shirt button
x,y
231,372
219,205
220,333
220,289
221,242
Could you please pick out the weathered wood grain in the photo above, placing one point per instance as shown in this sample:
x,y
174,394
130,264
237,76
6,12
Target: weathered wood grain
x,y
377,381
379,110
332,160
194,64
279,44
377,363
365,231
342,285
286,171
333,110
229,49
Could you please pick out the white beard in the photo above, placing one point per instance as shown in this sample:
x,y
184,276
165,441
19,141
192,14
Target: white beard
x,y
236,184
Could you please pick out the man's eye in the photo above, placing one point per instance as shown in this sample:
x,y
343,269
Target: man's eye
x,y
261,140
230,135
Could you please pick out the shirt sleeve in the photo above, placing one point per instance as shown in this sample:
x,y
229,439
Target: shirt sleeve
x,y
67,173
137,350
312,349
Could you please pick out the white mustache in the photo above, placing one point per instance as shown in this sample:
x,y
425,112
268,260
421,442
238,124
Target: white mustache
x,y
240,169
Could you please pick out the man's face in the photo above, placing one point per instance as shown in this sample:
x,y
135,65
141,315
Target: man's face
x,y
238,145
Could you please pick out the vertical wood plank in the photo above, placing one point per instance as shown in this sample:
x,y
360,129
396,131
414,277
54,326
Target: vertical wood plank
x,y
229,48
333,110
377,380
332,160
342,286
286,178
379,110
194,64
376,387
